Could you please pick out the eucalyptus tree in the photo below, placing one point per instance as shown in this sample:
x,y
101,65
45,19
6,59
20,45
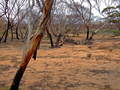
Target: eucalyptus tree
x,y
112,14
98,6
35,42
85,13
59,16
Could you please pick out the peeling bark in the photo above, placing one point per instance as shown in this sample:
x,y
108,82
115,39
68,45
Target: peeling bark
x,y
34,45
25,62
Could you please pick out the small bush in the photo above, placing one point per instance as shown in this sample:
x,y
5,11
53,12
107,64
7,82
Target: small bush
x,y
8,88
110,32
116,32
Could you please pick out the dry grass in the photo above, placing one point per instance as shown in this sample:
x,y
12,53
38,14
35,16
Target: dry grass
x,y
71,67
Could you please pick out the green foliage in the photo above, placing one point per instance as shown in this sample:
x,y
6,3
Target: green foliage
x,y
108,9
46,38
8,88
110,32
0,33
116,32
112,15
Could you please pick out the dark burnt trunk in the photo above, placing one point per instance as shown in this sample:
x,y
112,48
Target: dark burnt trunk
x,y
3,35
91,37
6,34
50,37
88,32
11,33
36,41
17,35
17,78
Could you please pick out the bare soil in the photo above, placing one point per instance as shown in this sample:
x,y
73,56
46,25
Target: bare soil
x,y
71,67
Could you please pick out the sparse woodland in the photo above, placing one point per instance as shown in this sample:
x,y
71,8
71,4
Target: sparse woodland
x,y
59,44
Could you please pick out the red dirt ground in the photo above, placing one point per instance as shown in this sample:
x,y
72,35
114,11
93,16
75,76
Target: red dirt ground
x,y
71,67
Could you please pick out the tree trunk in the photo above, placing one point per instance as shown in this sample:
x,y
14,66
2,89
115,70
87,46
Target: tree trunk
x,y
91,37
12,34
17,35
50,36
21,70
21,35
26,34
6,34
58,40
3,35
88,32
35,43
